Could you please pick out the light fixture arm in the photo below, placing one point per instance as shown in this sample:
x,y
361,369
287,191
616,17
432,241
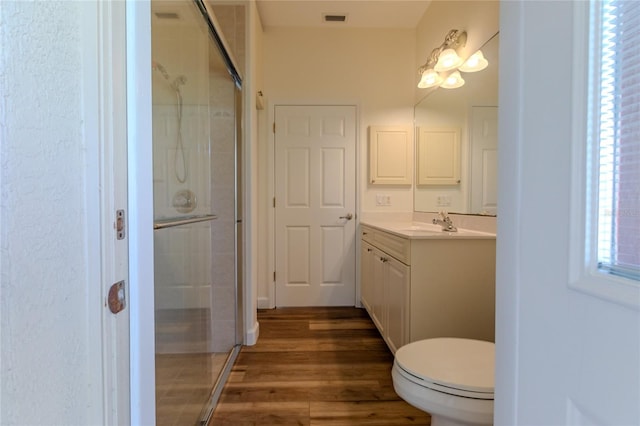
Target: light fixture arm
x,y
453,40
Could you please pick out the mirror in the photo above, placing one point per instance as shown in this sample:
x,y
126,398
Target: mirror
x,y
468,119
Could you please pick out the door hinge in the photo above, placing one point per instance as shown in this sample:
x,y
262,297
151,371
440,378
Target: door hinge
x,y
120,224
274,202
274,127
274,275
116,300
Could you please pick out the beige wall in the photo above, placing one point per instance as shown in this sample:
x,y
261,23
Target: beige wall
x,y
375,69
370,68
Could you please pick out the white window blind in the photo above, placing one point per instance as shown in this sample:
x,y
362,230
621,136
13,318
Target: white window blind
x,y
616,106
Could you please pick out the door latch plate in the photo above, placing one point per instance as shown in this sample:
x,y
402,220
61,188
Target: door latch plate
x,y
120,224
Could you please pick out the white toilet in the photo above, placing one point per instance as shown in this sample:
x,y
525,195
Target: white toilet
x,y
450,378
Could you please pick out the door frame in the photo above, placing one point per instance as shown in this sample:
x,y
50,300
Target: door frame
x,y
105,131
270,301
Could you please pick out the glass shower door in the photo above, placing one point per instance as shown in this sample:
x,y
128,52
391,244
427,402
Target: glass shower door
x,y
194,140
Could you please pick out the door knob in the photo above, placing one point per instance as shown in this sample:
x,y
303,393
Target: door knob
x,y
348,216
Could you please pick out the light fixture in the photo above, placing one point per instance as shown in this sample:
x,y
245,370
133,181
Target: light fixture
x,y
448,60
453,81
441,68
429,78
476,62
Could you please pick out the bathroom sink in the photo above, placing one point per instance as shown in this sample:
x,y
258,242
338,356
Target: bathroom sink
x,y
423,227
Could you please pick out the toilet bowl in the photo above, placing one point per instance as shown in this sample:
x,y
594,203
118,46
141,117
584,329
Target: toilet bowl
x,y
452,379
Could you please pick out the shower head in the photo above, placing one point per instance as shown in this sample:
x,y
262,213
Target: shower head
x,y
179,81
161,69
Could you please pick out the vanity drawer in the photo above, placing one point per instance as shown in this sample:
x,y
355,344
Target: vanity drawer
x,y
393,245
396,246
367,234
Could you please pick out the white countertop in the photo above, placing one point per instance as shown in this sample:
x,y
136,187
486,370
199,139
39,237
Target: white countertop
x,y
425,231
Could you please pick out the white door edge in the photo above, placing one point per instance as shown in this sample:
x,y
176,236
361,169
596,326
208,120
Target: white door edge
x,y
140,205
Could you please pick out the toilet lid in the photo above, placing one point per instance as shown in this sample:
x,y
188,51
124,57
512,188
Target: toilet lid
x,y
457,364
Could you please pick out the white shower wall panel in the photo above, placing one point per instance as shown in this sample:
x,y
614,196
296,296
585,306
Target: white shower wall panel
x,y
183,270
168,164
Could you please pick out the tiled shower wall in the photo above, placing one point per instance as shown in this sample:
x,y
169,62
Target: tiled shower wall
x,y
195,265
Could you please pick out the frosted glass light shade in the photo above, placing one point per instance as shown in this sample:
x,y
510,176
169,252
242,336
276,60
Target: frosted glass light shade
x,y
430,78
453,81
448,60
476,62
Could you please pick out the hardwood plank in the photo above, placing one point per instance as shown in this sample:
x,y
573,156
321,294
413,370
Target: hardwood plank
x,y
318,344
341,325
381,413
314,366
261,413
310,390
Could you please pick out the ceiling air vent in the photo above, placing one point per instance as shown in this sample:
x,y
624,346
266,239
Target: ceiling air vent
x,y
167,15
334,17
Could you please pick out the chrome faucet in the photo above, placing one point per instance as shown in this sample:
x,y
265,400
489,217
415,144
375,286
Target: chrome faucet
x,y
445,222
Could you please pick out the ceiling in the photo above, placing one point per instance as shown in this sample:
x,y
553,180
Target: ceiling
x,y
359,13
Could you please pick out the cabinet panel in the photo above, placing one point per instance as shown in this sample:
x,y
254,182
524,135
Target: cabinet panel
x,y
366,276
397,282
378,309
390,155
438,156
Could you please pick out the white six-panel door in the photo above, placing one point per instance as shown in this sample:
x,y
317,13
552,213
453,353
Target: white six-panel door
x,y
484,160
315,205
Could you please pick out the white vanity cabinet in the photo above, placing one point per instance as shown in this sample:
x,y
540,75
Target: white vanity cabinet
x,y
419,288
387,278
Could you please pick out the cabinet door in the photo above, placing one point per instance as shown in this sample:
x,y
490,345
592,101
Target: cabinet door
x,y
366,276
397,279
390,155
378,308
438,156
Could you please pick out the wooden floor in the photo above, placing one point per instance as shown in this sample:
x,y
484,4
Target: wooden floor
x,y
314,366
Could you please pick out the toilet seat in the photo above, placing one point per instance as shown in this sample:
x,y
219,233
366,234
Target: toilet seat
x,y
461,367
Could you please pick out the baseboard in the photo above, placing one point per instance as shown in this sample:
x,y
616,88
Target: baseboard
x,y
252,334
264,303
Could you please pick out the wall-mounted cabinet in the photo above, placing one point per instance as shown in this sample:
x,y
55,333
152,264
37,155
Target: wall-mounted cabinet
x,y
390,155
438,156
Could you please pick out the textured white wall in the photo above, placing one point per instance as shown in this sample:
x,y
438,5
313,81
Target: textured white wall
x,y
44,240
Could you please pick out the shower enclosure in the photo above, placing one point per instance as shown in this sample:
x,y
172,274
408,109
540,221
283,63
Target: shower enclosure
x,y
196,108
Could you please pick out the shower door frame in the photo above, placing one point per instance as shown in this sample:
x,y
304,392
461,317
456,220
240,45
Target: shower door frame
x,y
140,204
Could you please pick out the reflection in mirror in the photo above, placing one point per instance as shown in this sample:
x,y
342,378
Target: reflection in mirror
x,y
472,112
